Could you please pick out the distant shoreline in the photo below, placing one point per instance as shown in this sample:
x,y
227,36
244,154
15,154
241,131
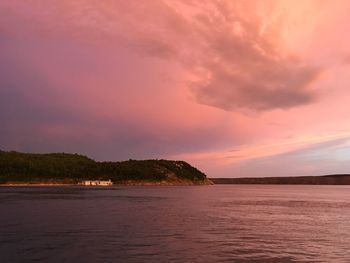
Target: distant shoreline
x,y
333,179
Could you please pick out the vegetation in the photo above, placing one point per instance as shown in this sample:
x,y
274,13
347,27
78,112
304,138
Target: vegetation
x,y
335,179
73,168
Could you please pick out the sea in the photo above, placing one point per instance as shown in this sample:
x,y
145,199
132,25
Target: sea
x,y
217,223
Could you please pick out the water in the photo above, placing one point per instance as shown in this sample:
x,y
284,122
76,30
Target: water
x,y
221,223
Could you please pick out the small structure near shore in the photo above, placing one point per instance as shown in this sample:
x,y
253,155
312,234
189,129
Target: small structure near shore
x,y
97,183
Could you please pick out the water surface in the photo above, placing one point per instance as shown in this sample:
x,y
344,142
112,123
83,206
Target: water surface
x,y
221,223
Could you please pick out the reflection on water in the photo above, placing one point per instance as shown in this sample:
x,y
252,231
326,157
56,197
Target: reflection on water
x,y
221,223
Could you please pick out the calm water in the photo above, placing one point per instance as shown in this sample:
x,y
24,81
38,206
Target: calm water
x,y
221,223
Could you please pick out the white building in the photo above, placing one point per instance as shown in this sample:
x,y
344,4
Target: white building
x,y
97,183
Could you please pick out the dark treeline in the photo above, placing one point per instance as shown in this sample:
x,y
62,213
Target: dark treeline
x,y
53,167
336,179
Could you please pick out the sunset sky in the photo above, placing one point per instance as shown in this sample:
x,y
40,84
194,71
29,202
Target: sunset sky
x,y
236,88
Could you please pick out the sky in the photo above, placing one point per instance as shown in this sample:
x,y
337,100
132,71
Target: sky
x,y
236,88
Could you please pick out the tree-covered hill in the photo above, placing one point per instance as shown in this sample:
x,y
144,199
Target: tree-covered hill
x,y
16,167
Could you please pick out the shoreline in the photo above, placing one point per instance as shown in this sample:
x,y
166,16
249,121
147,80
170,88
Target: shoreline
x,y
97,186
332,179
128,183
38,184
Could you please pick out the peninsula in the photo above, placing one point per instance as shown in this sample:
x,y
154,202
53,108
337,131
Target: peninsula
x,y
62,168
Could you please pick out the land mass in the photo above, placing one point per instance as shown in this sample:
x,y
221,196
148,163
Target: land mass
x,y
333,179
61,168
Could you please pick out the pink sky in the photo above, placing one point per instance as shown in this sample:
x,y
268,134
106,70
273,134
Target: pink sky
x,y
236,88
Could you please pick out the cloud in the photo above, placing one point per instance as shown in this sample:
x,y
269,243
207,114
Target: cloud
x,y
268,86
291,157
329,157
244,65
232,51
55,96
236,58
346,59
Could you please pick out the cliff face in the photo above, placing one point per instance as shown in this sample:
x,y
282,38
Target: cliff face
x,y
336,179
73,168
